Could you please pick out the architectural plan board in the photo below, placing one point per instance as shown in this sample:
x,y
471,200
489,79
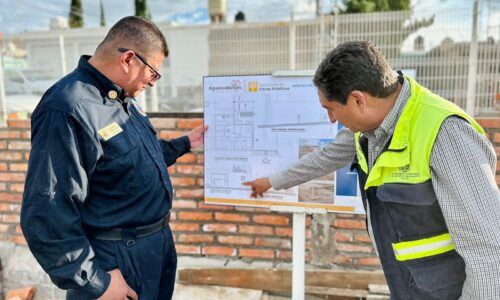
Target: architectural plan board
x,y
258,125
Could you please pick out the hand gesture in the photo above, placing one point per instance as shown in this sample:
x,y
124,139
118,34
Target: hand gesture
x,y
118,289
196,136
259,186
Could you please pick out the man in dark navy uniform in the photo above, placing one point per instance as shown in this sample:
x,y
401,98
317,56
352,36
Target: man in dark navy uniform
x,y
96,204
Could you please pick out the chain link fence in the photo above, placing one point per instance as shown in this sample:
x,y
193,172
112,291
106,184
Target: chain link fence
x,y
434,49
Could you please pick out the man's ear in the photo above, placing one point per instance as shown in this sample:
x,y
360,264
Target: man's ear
x,y
358,99
125,60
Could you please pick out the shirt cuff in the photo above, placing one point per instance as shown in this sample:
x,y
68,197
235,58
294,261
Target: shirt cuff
x,y
98,284
278,181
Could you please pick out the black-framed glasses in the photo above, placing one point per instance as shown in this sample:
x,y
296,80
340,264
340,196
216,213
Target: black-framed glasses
x,y
155,75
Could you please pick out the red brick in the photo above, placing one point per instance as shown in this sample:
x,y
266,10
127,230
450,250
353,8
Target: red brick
x,y
4,228
219,251
3,167
231,217
270,219
352,224
200,182
368,261
18,239
189,169
219,227
284,254
4,207
273,243
9,218
11,197
26,155
3,186
235,239
23,167
262,230
185,193
12,177
203,205
257,253
195,238
7,155
489,122
184,204
170,134
19,145
496,137
187,158
195,216
201,159
19,123
3,145
171,170
186,249
19,229
26,135
343,237
364,238
163,122
182,181
189,123
178,226
4,134
284,231
341,259
353,248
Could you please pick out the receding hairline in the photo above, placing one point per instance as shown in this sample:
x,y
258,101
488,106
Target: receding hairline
x,y
134,33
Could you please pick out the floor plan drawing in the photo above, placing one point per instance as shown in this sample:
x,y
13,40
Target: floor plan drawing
x,y
256,125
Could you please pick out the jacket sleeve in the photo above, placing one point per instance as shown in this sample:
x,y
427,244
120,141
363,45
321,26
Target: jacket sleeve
x,y
175,148
322,161
63,154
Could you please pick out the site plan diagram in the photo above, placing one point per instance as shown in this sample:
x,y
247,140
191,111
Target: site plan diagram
x,y
259,125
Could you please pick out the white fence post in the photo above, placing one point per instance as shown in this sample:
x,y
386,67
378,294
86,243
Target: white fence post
x,y
292,45
62,53
3,106
470,107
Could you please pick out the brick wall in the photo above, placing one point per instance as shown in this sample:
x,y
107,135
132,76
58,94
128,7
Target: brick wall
x,y
216,231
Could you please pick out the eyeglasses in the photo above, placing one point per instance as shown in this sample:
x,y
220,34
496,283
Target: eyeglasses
x,y
154,74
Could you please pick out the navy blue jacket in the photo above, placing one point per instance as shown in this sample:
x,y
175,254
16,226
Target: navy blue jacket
x,y
95,164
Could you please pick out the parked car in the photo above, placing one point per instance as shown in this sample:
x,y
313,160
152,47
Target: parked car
x,y
27,81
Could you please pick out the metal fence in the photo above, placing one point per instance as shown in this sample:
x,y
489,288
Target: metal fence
x,y
435,49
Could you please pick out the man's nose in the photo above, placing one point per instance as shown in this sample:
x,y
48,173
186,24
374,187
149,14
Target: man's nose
x,y
332,117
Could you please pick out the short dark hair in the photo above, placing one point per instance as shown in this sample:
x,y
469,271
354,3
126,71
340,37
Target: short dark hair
x,y
353,66
136,33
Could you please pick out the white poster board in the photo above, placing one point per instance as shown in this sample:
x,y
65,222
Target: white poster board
x,y
259,125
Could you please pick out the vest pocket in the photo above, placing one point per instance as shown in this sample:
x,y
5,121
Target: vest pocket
x,y
412,194
441,278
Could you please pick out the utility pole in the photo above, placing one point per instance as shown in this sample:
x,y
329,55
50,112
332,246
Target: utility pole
x,y
472,76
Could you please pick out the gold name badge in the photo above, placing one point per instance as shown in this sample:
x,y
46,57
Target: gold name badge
x,y
110,131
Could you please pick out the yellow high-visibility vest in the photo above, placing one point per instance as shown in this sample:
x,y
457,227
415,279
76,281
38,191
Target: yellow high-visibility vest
x,y
407,160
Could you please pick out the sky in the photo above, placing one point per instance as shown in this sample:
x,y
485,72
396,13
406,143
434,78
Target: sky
x,y
34,15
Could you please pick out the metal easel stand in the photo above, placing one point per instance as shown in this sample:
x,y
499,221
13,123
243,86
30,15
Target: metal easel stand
x,y
298,245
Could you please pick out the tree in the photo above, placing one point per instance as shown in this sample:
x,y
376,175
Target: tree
x,y
141,8
102,17
360,6
76,14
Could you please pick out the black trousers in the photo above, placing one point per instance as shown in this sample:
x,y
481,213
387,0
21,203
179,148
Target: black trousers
x,y
148,264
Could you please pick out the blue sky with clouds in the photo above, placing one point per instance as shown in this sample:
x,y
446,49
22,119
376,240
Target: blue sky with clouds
x,y
32,15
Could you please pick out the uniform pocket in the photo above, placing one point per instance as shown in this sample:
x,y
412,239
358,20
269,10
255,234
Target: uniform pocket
x,y
411,194
118,145
441,278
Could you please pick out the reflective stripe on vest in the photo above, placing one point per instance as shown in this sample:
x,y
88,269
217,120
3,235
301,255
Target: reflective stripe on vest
x,y
423,248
